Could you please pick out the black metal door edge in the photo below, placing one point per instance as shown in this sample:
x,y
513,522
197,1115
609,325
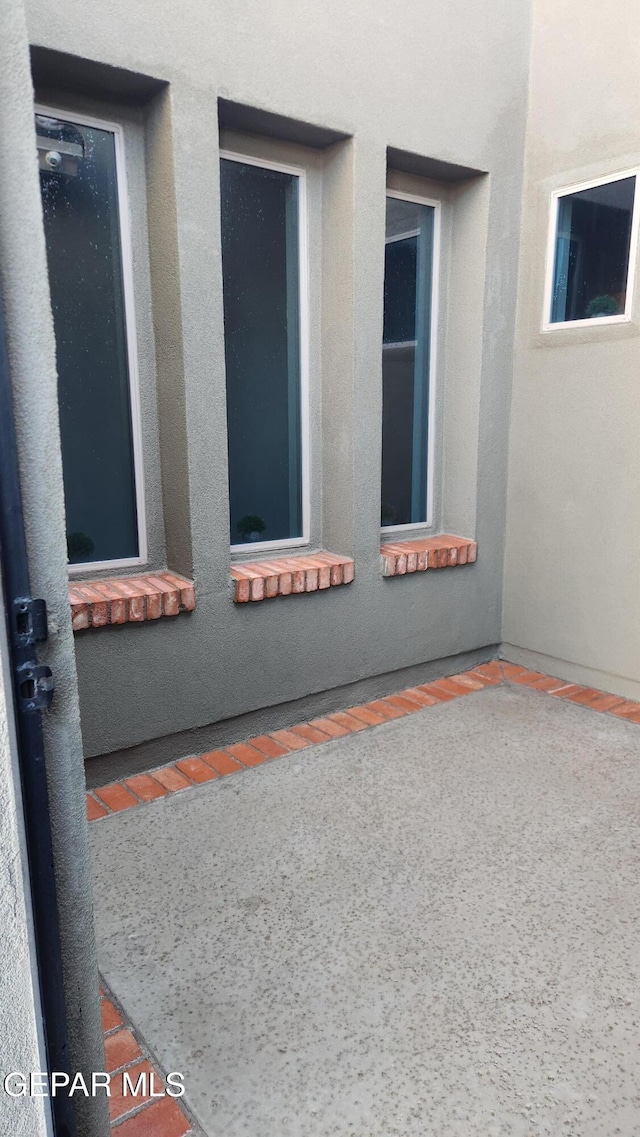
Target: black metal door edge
x,y
32,691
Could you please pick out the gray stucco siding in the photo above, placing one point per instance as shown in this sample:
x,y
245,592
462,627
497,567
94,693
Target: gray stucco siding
x,y
461,100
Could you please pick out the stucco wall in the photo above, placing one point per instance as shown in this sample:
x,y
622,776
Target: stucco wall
x,y
443,80
23,280
20,1012
572,595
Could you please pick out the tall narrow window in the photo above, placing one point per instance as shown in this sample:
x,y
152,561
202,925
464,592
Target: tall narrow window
x,y
591,252
261,281
79,170
406,349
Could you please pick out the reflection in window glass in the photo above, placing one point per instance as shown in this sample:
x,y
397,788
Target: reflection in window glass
x,y
79,190
405,361
593,235
262,351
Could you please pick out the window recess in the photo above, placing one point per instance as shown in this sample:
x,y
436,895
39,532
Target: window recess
x,y
83,189
408,361
263,216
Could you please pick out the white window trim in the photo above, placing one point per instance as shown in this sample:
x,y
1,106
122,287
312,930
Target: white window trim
x,y
415,526
303,298
400,236
595,321
130,329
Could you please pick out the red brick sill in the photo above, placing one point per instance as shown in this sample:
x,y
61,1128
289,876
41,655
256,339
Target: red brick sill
x,y
129,599
402,557
286,576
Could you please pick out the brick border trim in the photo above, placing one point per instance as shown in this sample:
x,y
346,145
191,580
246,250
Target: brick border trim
x,y
286,576
129,599
402,557
180,775
124,1051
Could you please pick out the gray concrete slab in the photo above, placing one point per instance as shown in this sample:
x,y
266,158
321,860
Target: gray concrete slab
x,y
426,930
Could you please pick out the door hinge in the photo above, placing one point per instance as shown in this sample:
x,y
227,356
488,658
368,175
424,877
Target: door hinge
x,y
29,621
34,681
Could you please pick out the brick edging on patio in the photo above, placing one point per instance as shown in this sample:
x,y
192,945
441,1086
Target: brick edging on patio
x,y
180,775
141,1116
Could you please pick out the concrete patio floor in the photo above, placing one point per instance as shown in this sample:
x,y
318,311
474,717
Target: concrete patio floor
x,y
426,930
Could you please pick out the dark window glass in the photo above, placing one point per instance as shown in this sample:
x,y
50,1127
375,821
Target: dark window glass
x,y
400,290
262,351
405,361
592,252
80,202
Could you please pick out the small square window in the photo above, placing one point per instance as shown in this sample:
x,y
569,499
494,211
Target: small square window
x,y
593,243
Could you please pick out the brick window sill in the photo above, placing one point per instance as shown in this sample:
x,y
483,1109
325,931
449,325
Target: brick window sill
x,y
402,557
129,599
288,576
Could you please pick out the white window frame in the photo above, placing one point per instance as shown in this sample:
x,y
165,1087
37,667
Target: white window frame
x,y
250,548
594,321
124,222
433,350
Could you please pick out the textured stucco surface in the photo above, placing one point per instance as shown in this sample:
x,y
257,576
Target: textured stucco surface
x,y
428,929
23,278
454,89
22,1045
573,535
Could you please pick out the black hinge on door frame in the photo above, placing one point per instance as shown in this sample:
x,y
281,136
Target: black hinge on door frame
x,y
34,681
26,621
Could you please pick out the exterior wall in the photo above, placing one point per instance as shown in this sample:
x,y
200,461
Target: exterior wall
x,y
443,81
572,601
23,284
20,1011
